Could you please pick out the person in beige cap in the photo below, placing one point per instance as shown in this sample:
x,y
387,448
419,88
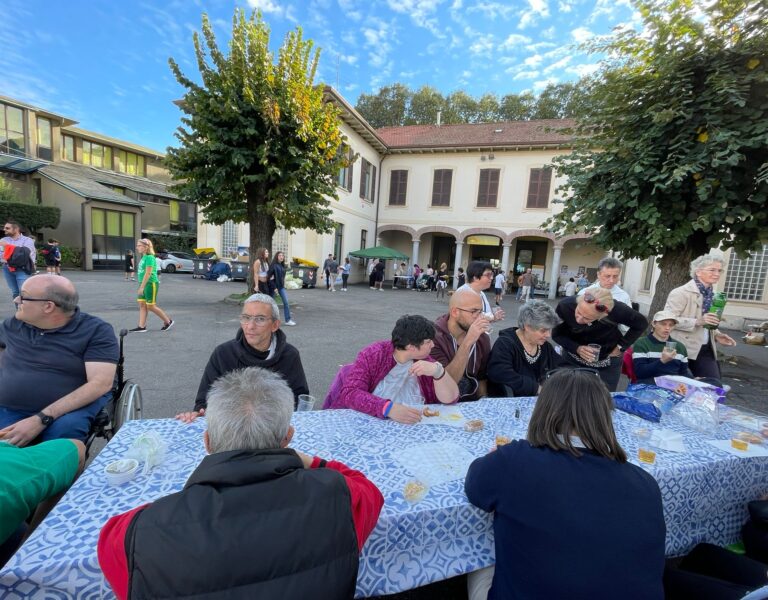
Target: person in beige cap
x,y
657,353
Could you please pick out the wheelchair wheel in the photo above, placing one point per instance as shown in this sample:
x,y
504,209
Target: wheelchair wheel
x,y
128,407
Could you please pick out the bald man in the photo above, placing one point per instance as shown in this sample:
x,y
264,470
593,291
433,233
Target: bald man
x,y
461,343
57,364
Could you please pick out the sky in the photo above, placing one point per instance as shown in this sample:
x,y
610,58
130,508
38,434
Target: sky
x,y
105,64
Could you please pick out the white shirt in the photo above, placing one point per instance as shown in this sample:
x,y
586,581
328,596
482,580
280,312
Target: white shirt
x,y
398,385
570,288
618,294
499,281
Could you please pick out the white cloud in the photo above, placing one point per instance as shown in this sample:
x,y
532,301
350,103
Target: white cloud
x,y
484,45
583,70
581,34
350,59
377,40
524,75
492,10
533,61
268,7
564,6
538,86
559,65
513,41
539,9
350,10
421,13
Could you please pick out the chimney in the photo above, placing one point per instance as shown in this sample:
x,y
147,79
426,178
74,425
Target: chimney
x,y
439,115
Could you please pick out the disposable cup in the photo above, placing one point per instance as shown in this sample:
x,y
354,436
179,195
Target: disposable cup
x,y
595,350
670,345
306,402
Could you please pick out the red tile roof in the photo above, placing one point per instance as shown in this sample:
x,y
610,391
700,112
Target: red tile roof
x,y
496,135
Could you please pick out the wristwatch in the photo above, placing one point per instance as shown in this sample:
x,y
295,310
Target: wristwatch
x,y
442,372
46,419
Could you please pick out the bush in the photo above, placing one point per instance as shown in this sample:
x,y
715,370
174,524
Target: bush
x,y
32,217
70,257
169,243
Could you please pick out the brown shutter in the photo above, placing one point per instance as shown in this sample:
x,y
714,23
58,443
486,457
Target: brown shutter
x,y
350,169
363,176
488,190
398,187
441,187
538,188
373,183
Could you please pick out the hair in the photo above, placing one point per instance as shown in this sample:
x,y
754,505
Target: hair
x,y
703,261
264,299
53,241
248,409
609,263
13,223
572,279
149,245
461,269
443,266
129,252
274,258
573,402
476,268
261,254
602,295
63,296
536,314
412,329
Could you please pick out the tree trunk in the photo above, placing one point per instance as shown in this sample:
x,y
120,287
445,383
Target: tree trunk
x,y
261,228
675,270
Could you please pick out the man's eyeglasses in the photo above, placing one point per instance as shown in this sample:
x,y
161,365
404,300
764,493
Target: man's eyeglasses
x,y
23,299
571,370
257,319
472,311
599,306
488,274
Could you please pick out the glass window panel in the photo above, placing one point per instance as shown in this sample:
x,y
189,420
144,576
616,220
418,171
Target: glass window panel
x,y
86,153
43,132
174,210
140,166
14,118
97,221
107,157
113,222
131,163
68,148
127,224
121,161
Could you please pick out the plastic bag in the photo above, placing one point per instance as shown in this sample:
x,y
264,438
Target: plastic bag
x,y
634,406
148,448
699,411
663,399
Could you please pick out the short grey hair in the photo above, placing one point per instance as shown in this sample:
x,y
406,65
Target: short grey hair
x,y
264,299
705,261
62,296
609,263
248,409
536,314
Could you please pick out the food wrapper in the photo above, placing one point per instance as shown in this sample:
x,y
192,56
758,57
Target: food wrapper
x,y
662,398
639,408
700,410
686,387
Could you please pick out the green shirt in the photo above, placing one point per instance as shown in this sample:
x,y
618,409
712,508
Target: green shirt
x,y
30,475
148,260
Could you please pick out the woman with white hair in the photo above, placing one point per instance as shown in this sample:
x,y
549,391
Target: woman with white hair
x,y
690,303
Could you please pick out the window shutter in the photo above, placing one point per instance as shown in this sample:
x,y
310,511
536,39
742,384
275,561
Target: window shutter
x,y
398,185
538,188
363,177
349,170
441,187
488,191
373,183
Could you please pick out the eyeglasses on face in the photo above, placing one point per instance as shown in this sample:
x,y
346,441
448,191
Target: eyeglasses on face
x,y
22,299
599,306
718,271
571,370
257,319
488,274
472,311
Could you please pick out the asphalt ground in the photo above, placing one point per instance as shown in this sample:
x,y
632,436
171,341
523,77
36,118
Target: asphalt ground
x,y
331,329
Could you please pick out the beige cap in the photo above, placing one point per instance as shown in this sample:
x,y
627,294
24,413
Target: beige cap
x,y
663,315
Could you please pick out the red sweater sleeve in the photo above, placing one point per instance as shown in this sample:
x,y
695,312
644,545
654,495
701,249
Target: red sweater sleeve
x,y
111,551
366,498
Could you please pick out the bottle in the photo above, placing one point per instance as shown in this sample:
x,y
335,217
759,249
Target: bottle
x,y
717,307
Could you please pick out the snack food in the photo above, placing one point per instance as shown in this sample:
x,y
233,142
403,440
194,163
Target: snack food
x,y
474,425
749,437
646,456
502,440
414,491
681,389
428,412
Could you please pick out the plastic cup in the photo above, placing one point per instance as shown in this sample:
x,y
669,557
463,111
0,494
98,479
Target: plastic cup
x,y
670,346
595,351
306,402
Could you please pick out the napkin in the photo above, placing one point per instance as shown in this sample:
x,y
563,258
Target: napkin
x,y
666,439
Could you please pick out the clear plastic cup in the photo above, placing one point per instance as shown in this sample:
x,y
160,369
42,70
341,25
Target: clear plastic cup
x,y
306,403
595,351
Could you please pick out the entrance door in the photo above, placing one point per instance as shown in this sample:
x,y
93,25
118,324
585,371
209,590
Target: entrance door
x,y
530,255
112,234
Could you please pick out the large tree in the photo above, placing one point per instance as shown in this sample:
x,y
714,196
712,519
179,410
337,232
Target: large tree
x,y
258,143
672,158
388,107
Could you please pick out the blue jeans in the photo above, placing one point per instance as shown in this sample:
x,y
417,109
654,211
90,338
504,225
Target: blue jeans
x,y
73,425
286,308
14,279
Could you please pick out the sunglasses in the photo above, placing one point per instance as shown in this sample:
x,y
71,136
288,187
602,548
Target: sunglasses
x,y
599,307
571,370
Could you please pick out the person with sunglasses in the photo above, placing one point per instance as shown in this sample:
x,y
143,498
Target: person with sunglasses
x,y
594,319
259,343
57,365
572,518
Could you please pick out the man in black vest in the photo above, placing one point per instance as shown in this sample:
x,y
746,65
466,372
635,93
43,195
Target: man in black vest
x,y
269,521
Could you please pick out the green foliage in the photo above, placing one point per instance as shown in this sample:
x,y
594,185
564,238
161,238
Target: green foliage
x,y
32,217
396,105
7,192
70,257
258,144
169,243
671,155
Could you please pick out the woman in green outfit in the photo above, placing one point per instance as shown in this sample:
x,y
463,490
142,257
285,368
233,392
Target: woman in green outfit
x,y
148,287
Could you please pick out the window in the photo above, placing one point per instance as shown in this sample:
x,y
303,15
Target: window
x,y
130,163
538,188
398,184
68,147
363,239
44,147
344,178
367,181
441,187
745,279
112,234
228,238
488,192
338,240
648,269
12,130
97,155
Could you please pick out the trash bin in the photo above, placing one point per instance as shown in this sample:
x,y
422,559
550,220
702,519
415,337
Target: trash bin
x,y
307,275
240,270
201,266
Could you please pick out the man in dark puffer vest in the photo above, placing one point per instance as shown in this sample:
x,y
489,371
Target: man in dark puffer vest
x,y
255,519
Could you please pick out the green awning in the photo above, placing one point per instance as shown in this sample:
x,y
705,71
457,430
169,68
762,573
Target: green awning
x,y
381,252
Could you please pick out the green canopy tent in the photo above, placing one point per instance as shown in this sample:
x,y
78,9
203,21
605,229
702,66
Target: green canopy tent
x,y
380,252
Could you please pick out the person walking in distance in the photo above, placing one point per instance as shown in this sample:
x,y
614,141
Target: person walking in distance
x,y
130,266
16,276
260,269
148,288
345,269
277,271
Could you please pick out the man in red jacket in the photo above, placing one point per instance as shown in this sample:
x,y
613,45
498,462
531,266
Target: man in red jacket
x,y
256,519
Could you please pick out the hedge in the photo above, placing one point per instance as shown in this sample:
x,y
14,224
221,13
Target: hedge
x,y
32,217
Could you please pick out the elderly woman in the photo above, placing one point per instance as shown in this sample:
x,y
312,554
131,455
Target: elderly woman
x,y
589,339
690,303
522,356
569,502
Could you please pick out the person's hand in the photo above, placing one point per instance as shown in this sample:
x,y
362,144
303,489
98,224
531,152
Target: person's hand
x,y
188,417
404,414
616,352
725,339
22,432
306,459
478,328
425,367
586,353
668,354
710,319
498,314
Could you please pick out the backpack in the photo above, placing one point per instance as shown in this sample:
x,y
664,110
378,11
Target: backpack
x,y
21,259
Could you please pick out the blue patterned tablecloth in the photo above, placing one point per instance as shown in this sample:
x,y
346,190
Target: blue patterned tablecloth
x,y
705,492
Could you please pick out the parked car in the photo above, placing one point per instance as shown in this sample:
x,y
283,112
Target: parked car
x,y
172,262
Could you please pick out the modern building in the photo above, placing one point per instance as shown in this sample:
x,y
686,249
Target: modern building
x,y
110,192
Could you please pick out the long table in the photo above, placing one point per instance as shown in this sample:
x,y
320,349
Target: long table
x,y
704,491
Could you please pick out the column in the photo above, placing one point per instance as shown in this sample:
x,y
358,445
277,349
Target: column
x,y
415,253
505,259
457,264
555,272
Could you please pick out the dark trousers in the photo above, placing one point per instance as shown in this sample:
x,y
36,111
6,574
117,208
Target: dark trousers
x,y
327,279
372,279
344,277
705,364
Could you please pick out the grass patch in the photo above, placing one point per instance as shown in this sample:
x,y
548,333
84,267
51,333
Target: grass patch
x,y
241,297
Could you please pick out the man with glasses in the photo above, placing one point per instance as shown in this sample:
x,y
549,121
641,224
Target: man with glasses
x,y
589,339
259,343
16,276
479,279
57,365
460,345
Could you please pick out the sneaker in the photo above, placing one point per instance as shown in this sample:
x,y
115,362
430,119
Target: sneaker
x,y
138,330
290,323
168,325
381,289
373,288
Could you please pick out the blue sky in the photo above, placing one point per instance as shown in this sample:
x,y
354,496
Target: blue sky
x,y
105,64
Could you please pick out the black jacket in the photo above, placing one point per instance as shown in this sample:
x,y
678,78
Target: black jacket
x,y
509,373
237,354
276,275
247,525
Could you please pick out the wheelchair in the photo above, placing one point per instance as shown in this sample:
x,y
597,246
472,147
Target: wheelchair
x,y
124,405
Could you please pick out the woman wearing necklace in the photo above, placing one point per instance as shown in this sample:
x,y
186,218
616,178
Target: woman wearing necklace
x,y
522,356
